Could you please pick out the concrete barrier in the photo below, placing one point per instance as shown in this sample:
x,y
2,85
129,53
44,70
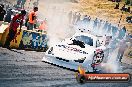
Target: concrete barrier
x,y
3,33
32,40
16,42
27,39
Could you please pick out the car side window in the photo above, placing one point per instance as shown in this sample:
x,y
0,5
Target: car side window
x,y
98,43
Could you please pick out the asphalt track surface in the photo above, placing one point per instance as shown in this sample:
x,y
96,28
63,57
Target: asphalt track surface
x,y
20,68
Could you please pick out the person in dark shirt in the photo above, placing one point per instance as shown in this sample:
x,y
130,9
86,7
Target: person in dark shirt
x,y
124,8
122,47
122,33
95,23
2,13
8,16
117,6
78,17
23,3
129,19
15,23
128,2
128,9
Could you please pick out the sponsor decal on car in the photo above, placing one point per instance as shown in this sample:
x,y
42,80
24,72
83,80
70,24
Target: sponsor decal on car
x,y
72,49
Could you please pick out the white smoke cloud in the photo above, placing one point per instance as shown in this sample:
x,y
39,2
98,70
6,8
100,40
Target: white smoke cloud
x,y
112,65
58,26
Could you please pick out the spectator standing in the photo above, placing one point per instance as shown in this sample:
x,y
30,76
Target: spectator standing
x,y
95,23
124,8
109,28
43,26
78,17
32,19
129,19
105,25
85,19
2,13
122,47
122,33
114,31
15,23
118,0
74,18
23,3
35,3
127,2
99,24
112,45
128,9
117,6
70,16
18,3
7,7
8,16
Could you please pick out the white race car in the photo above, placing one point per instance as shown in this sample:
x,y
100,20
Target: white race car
x,y
82,49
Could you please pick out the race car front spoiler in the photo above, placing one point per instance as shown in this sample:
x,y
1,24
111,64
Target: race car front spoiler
x,y
60,62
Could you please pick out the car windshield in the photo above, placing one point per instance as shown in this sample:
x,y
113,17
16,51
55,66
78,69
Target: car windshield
x,y
87,40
